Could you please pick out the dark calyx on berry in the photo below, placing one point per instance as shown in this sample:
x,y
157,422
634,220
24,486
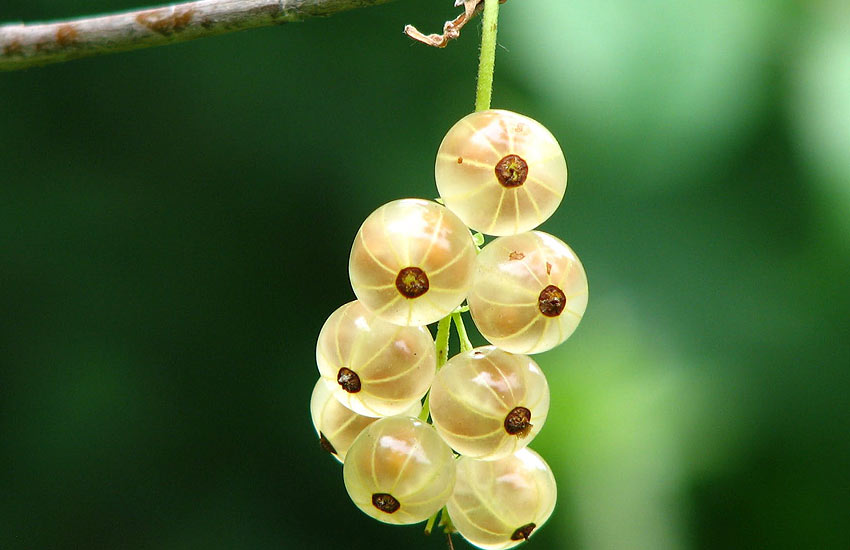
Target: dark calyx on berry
x,y
385,502
512,171
349,380
522,533
326,445
551,301
518,422
412,282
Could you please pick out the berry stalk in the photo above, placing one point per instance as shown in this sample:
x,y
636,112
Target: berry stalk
x,y
441,341
487,59
465,343
429,527
444,330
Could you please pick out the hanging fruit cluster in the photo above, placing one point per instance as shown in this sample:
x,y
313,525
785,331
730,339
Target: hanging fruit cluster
x,y
415,262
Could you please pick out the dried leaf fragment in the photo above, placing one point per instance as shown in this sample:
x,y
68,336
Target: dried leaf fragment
x,y
451,29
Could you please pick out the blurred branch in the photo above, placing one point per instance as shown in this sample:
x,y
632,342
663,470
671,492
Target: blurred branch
x,y
23,46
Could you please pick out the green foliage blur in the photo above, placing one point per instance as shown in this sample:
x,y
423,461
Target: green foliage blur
x,y
175,226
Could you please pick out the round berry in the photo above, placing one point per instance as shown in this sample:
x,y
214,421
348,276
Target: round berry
x,y
373,367
399,470
529,292
499,504
501,172
412,262
488,404
336,425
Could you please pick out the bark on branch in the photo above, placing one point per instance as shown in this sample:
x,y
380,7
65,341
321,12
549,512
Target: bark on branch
x,y
23,46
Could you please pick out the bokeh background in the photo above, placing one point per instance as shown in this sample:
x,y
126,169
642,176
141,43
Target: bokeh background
x,y
175,226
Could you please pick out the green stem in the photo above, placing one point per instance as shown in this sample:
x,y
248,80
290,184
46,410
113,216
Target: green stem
x,y
483,97
487,61
430,525
446,522
444,329
465,343
426,408
441,342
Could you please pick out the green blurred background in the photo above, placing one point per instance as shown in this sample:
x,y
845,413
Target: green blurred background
x,y
175,226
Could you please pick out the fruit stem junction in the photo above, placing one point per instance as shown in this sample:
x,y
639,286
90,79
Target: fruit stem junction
x,y
487,60
445,523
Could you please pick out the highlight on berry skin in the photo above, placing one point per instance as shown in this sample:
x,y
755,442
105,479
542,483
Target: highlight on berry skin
x,y
371,366
336,425
412,262
399,471
488,404
501,172
529,292
500,504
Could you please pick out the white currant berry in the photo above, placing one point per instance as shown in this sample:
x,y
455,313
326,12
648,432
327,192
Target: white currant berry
x,y
336,425
501,172
488,404
373,367
529,292
412,262
499,504
399,470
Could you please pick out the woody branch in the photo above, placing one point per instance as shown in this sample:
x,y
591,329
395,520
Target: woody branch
x,y
29,45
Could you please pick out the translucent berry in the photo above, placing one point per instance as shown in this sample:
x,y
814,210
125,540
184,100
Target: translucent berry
x,y
399,470
373,367
529,292
412,262
487,403
336,425
502,173
499,504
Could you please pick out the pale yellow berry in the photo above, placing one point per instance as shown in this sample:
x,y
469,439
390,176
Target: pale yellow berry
x,y
412,262
529,292
336,425
501,172
399,470
373,367
499,504
487,403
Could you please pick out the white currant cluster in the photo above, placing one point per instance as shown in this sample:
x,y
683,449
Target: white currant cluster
x,y
415,262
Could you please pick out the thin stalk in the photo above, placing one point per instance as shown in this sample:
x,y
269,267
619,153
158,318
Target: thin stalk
x,y
430,525
444,329
446,522
426,408
465,343
487,59
441,342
